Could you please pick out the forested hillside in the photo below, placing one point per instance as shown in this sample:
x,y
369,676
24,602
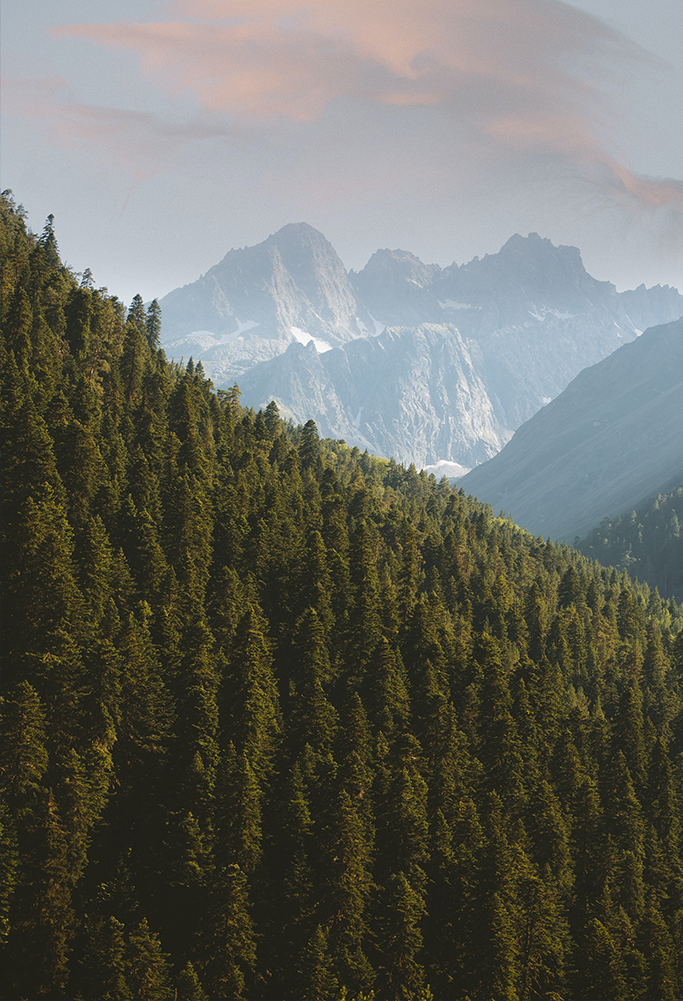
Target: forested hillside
x,y
282,720
648,543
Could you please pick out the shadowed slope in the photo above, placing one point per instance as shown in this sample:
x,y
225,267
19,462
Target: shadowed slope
x,y
612,439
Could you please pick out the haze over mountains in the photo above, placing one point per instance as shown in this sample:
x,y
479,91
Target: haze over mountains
x,y
405,359
609,442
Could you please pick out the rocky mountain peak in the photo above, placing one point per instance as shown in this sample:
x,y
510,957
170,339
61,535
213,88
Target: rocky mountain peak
x,y
316,270
286,320
533,260
300,245
542,251
397,288
527,280
392,265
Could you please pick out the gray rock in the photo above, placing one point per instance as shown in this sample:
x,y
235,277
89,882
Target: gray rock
x,y
292,279
411,393
406,359
609,442
398,290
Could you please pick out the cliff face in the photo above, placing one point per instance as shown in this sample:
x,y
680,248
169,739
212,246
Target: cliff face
x,y
261,299
407,359
412,393
294,278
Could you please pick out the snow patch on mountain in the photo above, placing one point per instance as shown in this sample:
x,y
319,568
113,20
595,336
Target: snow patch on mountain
x,y
379,327
444,467
451,304
241,327
546,311
303,337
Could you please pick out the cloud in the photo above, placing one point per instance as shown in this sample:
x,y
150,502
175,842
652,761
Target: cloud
x,y
372,98
509,75
265,57
142,143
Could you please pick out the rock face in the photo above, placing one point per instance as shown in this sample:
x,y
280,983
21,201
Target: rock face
x,y
403,358
398,289
258,300
608,443
412,393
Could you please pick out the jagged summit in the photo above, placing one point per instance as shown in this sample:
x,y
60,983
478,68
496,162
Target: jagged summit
x,y
397,288
300,230
293,284
298,246
528,275
391,262
542,252
300,243
403,357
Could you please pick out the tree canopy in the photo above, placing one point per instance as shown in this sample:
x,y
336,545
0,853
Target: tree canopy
x,y
287,720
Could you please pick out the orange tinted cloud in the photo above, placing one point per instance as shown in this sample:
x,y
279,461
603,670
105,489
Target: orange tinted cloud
x,y
266,56
511,77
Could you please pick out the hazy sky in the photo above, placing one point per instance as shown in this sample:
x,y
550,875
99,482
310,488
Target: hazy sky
x,y
162,134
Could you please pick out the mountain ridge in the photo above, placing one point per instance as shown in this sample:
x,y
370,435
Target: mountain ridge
x,y
605,445
528,319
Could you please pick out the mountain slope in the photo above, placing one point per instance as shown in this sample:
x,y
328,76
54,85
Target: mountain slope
x,y
282,720
648,543
611,440
410,393
260,299
397,289
539,318
520,325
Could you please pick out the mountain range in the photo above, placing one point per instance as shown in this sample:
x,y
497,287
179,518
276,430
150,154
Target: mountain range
x,y
422,363
609,442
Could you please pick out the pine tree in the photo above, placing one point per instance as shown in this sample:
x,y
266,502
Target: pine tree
x,y
602,973
42,916
251,698
105,963
495,953
309,446
189,988
401,974
656,945
317,981
229,940
345,883
48,242
153,324
147,966
313,719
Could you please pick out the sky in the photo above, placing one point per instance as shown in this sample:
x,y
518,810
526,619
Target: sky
x,y
163,134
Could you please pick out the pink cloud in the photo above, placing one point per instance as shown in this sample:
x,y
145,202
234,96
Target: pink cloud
x,y
510,78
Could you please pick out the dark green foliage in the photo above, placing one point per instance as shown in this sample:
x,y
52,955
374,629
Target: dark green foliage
x,y
285,720
153,324
648,543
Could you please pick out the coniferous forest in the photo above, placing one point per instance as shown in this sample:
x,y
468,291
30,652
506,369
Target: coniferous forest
x,y
282,720
647,542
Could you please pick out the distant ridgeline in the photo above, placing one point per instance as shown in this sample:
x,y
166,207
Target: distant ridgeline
x,y
648,543
285,720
